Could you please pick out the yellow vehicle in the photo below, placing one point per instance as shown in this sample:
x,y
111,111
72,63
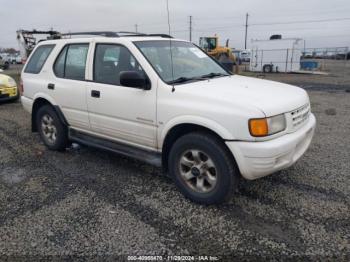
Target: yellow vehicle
x,y
221,53
8,88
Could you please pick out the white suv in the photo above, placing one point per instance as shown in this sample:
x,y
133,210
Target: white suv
x,y
164,101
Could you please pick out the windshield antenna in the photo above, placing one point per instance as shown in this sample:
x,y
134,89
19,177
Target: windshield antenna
x,y
171,51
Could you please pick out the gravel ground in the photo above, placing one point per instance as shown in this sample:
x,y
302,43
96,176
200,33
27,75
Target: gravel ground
x,y
86,202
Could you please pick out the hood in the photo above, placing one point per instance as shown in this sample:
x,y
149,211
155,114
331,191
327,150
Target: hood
x,y
272,98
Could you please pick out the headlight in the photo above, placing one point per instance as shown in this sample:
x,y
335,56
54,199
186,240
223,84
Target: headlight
x,y
267,126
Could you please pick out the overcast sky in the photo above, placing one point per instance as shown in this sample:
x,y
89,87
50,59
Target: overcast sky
x,y
323,23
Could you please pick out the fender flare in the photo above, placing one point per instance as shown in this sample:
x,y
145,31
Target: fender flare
x,y
195,120
53,104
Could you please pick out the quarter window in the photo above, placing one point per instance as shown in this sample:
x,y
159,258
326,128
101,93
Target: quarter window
x,y
59,65
71,62
110,60
38,59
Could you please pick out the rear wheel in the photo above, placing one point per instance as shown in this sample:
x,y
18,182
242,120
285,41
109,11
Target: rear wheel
x,y
202,168
267,68
52,131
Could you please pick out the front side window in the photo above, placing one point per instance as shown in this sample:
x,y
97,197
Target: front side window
x,y
38,59
71,62
110,60
186,61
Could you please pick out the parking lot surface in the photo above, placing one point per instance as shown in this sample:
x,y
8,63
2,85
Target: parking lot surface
x,y
86,202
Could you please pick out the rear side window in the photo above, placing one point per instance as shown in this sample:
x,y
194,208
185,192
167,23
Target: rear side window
x,y
71,62
38,59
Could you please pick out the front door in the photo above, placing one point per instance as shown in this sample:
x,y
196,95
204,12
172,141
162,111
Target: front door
x,y
117,112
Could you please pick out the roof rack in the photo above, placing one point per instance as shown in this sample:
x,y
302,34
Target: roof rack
x,y
111,34
97,33
161,35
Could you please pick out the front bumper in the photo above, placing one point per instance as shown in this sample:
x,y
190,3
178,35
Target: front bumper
x,y
258,159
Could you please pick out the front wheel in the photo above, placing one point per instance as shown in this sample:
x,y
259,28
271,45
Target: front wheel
x,y
52,131
203,169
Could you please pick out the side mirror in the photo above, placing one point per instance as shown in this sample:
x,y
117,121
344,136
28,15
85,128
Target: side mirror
x,y
134,79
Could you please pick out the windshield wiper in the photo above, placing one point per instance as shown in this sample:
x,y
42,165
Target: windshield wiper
x,y
183,79
212,75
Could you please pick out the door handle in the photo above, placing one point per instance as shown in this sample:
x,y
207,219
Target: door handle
x,y
51,86
95,93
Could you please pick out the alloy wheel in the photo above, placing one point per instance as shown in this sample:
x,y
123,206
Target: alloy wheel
x,y
198,171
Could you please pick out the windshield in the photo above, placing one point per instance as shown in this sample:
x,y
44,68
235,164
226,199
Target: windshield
x,y
189,62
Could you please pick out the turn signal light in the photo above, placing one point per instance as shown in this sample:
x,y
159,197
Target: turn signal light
x,y
258,127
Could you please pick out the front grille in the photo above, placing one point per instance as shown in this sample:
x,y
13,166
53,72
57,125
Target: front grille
x,y
300,115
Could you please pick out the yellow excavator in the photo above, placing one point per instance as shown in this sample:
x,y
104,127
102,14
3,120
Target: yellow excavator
x,y
223,54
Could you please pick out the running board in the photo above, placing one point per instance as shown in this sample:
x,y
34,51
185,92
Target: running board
x,y
149,157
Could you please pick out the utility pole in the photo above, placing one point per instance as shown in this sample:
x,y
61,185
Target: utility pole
x,y
246,30
136,28
190,28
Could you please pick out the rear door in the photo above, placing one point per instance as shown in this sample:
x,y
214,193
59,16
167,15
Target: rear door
x,y
69,84
117,112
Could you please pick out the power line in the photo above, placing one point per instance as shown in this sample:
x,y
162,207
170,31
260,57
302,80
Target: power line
x,y
219,18
253,24
303,28
274,23
302,21
222,27
161,23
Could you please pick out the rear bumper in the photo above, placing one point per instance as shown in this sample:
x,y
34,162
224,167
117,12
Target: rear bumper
x,y
258,159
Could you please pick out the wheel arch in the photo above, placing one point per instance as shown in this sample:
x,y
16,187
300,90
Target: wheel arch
x,y
180,129
40,101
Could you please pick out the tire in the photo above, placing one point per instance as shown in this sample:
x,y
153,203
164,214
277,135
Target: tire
x,y
215,159
52,131
267,68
